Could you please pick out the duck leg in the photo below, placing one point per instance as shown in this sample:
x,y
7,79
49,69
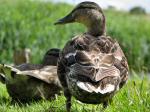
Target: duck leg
x,y
62,77
68,100
106,103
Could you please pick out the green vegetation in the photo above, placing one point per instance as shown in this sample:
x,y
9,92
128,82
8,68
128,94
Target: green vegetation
x,y
137,10
30,24
26,24
134,97
132,32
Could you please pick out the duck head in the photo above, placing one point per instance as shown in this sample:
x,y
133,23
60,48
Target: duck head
x,y
51,57
89,14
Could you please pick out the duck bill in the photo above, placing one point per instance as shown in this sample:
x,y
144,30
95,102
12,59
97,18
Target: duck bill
x,y
67,19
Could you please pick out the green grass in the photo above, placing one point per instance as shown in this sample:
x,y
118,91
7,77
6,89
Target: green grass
x,y
29,24
134,97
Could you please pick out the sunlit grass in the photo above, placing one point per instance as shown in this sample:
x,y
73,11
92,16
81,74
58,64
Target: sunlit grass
x,y
134,97
29,24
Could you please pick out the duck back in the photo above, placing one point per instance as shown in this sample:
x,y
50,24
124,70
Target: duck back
x,y
94,66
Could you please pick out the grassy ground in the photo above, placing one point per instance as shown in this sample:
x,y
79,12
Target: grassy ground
x,y
30,24
134,97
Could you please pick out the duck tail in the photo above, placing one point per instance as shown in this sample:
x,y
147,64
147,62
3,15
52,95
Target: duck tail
x,y
6,72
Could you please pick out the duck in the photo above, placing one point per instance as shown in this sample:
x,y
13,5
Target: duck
x,y
92,66
28,82
21,56
51,57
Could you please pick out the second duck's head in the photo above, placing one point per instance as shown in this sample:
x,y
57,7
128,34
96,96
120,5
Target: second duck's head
x,y
51,57
89,14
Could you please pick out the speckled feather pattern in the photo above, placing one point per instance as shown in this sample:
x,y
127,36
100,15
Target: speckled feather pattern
x,y
27,82
96,60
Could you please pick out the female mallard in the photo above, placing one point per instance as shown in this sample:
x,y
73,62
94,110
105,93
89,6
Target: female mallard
x,y
92,66
28,81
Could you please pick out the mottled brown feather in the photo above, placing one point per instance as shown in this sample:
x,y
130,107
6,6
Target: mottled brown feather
x,y
91,66
26,82
94,57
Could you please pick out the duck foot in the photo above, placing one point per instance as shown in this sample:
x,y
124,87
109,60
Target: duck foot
x,y
106,103
68,100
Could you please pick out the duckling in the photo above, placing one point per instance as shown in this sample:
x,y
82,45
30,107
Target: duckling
x,y
29,82
92,67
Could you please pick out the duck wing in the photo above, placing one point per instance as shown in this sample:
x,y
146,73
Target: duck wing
x,y
10,73
28,66
95,58
95,71
47,74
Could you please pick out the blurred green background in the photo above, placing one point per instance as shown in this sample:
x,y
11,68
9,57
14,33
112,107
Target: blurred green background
x,y
29,24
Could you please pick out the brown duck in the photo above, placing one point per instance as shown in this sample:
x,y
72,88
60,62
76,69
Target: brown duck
x,y
28,82
92,67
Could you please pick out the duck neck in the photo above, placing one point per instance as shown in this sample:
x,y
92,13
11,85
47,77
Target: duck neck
x,y
97,27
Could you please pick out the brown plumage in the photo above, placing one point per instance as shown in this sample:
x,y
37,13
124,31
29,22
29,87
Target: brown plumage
x,y
92,66
51,57
29,82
